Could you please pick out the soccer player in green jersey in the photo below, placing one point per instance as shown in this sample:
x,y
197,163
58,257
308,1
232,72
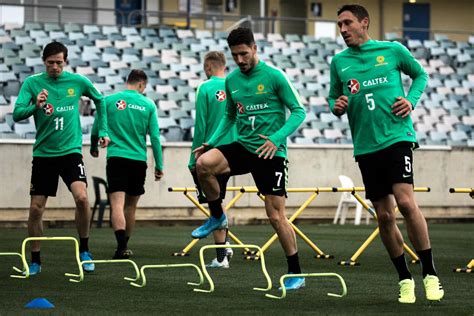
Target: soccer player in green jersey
x,y
211,101
366,84
130,117
258,96
52,97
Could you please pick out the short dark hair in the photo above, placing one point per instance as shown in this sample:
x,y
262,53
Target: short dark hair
x,y
216,58
54,48
359,11
240,36
136,75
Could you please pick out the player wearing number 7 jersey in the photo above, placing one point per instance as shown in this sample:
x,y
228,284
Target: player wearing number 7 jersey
x,y
52,97
366,84
258,96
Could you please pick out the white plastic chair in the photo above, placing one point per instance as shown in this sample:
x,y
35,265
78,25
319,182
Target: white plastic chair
x,y
347,199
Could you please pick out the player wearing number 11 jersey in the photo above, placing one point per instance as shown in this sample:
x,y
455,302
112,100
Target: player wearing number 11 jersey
x,y
52,97
366,84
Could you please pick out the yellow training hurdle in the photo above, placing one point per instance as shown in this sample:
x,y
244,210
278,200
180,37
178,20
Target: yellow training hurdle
x,y
26,272
469,267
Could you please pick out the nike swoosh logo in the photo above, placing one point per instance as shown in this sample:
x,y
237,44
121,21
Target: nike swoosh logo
x,y
275,189
406,175
82,177
234,91
344,69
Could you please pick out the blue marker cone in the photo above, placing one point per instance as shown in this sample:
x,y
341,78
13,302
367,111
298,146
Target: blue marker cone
x,y
39,303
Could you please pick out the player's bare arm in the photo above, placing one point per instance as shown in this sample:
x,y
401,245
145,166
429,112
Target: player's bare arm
x,y
402,107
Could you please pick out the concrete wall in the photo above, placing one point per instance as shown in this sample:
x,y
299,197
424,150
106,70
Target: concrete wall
x,y
439,169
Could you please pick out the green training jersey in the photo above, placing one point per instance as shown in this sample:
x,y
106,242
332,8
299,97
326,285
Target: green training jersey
x,y
130,117
369,75
58,126
211,101
257,102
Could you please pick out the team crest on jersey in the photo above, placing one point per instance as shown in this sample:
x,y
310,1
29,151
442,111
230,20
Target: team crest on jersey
x,y
220,96
120,105
240,108
71,92
48,109
353,85
261,89
380,61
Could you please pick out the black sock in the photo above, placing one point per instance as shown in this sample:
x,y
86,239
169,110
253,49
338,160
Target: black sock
x,y
35,257
220,252
127,239
83,244
427,264
402,268
216,208
293,264
121,239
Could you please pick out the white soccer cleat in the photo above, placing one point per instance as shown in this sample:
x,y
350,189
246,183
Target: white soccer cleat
x,y
216,264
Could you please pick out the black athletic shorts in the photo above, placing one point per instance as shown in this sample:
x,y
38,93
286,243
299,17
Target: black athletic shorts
x,y
222,179
126,175
382,169
270,175
47,170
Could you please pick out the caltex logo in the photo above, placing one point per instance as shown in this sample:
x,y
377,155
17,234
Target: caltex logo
x,y
240,108
220,96
121,105
353,85
48,109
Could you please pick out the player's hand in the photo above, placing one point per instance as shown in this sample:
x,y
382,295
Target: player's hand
x,y
340,106
41,98
104,142
158,175
267,150
402,107
200,150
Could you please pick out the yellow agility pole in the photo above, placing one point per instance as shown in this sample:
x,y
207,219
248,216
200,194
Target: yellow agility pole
x,y
309,275
26,272
353,260
208,277
187,248
469,267
315,192
114,261
166,266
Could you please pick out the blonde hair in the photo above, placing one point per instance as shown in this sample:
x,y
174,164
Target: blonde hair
x,y
217,59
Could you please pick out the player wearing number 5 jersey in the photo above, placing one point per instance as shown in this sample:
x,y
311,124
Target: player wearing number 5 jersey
x,y
366,84
52,98
258,96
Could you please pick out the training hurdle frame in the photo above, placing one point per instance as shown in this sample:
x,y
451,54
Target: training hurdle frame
x,y
252,255
166,266
26,272
470,266
353,260
208,277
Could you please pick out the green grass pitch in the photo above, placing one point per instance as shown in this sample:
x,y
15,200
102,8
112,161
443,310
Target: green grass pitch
x,y
372,286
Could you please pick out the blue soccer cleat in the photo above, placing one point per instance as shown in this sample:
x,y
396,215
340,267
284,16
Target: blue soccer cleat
x,y
88,267
34,269
209,226
293,283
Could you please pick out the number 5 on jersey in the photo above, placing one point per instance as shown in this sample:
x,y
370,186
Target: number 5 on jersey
x,y
369,98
